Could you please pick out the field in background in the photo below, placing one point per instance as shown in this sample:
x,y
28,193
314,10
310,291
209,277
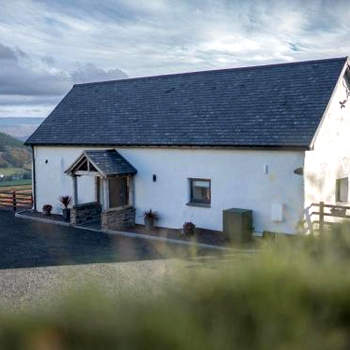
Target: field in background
x,y
16,185
12,171
15,162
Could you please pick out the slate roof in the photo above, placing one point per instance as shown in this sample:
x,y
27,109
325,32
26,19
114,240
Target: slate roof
x,y
273,105
108,162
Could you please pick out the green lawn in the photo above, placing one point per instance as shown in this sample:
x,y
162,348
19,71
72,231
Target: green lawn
x,y
15,183
11,171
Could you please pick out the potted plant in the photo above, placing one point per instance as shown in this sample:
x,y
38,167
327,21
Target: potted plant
x,y
47,209
65,201
150,217
188,228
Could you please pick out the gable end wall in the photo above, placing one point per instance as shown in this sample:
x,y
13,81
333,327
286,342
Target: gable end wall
x,y
330,157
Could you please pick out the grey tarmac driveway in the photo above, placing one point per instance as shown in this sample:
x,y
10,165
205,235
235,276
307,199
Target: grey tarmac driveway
x,y
25,243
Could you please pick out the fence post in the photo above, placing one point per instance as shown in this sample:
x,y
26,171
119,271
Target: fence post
x,y
14,202
321,217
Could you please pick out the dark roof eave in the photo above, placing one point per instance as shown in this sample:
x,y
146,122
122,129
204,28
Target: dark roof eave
x,y
165,145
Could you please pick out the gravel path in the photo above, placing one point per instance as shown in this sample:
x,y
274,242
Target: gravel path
x,y
28,288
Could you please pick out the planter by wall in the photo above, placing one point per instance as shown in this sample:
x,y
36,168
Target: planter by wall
x,y
149,223
66,214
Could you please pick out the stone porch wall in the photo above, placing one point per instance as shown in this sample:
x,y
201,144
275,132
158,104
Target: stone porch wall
x,y
85,213
118,219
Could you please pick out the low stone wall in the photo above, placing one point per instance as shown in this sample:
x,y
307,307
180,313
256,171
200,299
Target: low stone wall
x,y
85,213
118,219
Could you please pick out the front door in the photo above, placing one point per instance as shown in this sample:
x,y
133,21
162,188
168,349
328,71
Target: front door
x,y
118,191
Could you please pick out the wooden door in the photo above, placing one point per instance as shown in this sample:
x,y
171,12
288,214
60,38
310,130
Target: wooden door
x,y
118,191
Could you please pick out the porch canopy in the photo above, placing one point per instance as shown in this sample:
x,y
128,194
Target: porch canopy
x,y
105,162
105,165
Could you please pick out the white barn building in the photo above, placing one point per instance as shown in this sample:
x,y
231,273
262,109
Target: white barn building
x,y
272,139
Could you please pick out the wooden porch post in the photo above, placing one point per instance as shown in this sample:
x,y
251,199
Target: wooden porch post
x,y
75,190
131,190
98,189
105,193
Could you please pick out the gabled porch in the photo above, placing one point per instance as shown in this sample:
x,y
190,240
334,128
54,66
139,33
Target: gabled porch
x,y
113,207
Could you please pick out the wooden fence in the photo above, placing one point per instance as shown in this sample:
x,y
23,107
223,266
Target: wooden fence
x,y
14,200
324,211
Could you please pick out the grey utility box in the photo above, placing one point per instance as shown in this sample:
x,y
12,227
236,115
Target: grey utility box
x,y
238,224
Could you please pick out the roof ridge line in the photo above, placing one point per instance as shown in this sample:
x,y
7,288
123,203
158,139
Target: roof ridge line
x,y
215,70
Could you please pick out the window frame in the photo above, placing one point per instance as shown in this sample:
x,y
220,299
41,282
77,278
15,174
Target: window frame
x,y
337,190
197,203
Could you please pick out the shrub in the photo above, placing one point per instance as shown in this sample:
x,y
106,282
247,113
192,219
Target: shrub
x,y
65,201
188,228
47,209
292,294
149,214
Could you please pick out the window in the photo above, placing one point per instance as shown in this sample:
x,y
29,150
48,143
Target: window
x,y
200,192
342,190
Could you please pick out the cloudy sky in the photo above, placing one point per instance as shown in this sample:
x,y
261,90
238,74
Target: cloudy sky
x,y
46,45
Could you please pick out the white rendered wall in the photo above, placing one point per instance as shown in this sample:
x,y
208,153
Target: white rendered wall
x,y
330,158
238,180
52,182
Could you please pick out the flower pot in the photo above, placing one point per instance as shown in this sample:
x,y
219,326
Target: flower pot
x,y
66,214
149,223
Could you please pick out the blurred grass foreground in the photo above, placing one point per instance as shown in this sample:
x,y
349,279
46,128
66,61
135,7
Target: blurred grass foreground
x,y
292,294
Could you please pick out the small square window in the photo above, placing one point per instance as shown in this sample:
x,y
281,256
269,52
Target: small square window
x,y
342,189
200,191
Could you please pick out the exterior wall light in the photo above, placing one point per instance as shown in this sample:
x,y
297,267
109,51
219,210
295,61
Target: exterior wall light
x,y
299,171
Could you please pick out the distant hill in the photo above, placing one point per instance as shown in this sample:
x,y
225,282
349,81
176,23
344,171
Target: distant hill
x,y
13,154
21,128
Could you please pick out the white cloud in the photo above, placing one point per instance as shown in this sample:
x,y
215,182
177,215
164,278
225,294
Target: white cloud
x,y
30,86
163,36
89,72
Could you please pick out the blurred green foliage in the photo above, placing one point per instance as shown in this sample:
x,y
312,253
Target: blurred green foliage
x,y
294,293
